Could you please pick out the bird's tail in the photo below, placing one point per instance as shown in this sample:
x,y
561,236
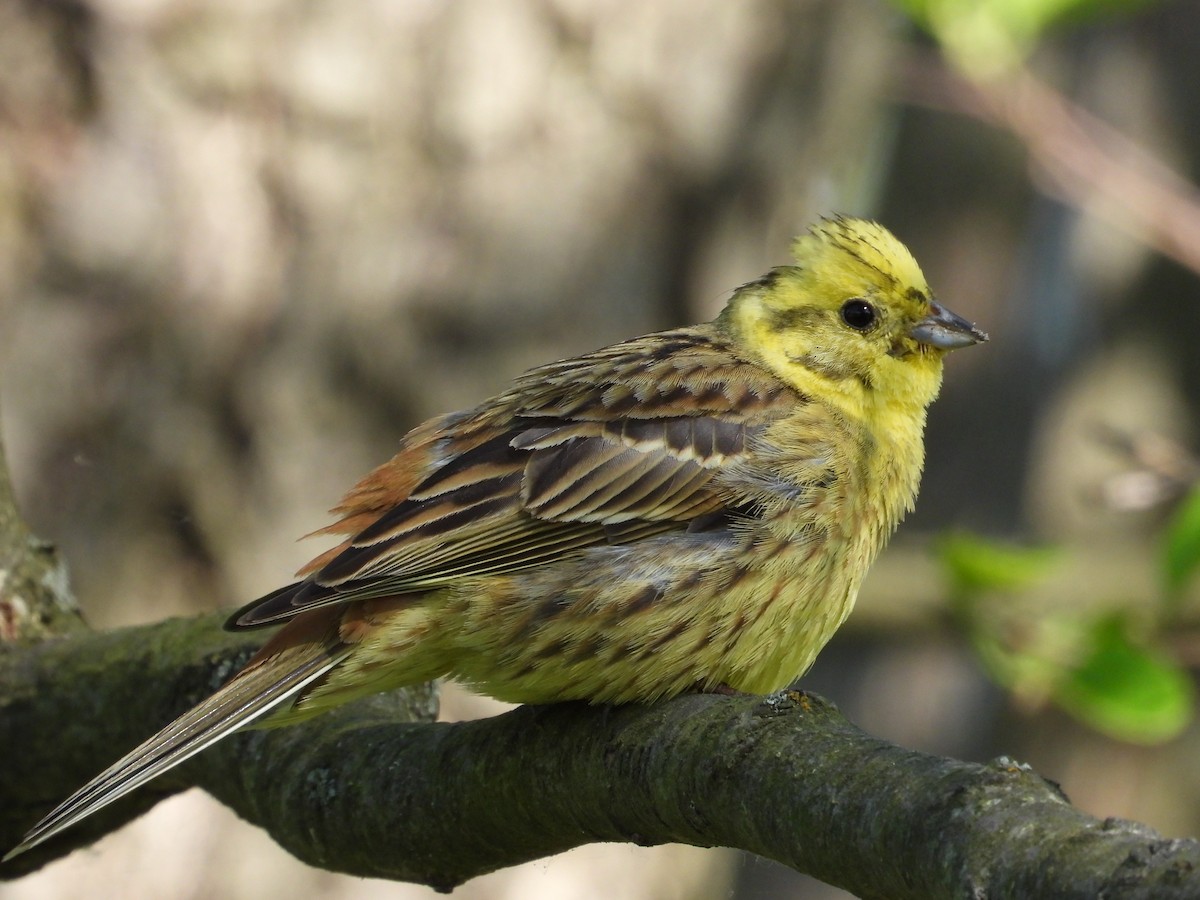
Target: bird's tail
x,y
271,679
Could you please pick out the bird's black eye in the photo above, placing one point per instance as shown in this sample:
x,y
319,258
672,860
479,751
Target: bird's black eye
x,y
858,314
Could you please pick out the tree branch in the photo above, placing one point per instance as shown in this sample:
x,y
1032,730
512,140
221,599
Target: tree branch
x,y
1083,160
363,791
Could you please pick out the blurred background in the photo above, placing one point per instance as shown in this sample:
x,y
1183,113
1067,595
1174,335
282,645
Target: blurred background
x,y
245,247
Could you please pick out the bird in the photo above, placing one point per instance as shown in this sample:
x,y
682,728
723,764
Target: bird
x,y
690,510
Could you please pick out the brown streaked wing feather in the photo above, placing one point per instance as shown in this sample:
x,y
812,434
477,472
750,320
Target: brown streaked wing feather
x,y
685,372
510,520
614,446
601,480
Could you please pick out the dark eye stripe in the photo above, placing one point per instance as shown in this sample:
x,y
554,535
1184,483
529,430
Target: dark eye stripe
x,y
793,318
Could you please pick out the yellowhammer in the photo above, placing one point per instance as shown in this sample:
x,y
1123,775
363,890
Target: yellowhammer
x,y
688,510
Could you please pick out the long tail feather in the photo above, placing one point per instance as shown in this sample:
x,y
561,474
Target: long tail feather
x,y
252,694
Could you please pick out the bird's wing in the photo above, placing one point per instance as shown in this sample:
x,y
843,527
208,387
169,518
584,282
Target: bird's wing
x,y
607,448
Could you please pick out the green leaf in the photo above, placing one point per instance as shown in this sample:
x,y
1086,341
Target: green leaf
x,y
976,564
986,37
1126,690
1183,543
1026,17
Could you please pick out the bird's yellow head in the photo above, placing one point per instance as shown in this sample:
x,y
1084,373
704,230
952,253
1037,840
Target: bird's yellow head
x,y
853,322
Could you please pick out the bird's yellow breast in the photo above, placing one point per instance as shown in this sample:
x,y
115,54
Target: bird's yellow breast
x,y
817,540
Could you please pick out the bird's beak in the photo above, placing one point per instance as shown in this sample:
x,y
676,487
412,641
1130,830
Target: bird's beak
x,y
945,330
